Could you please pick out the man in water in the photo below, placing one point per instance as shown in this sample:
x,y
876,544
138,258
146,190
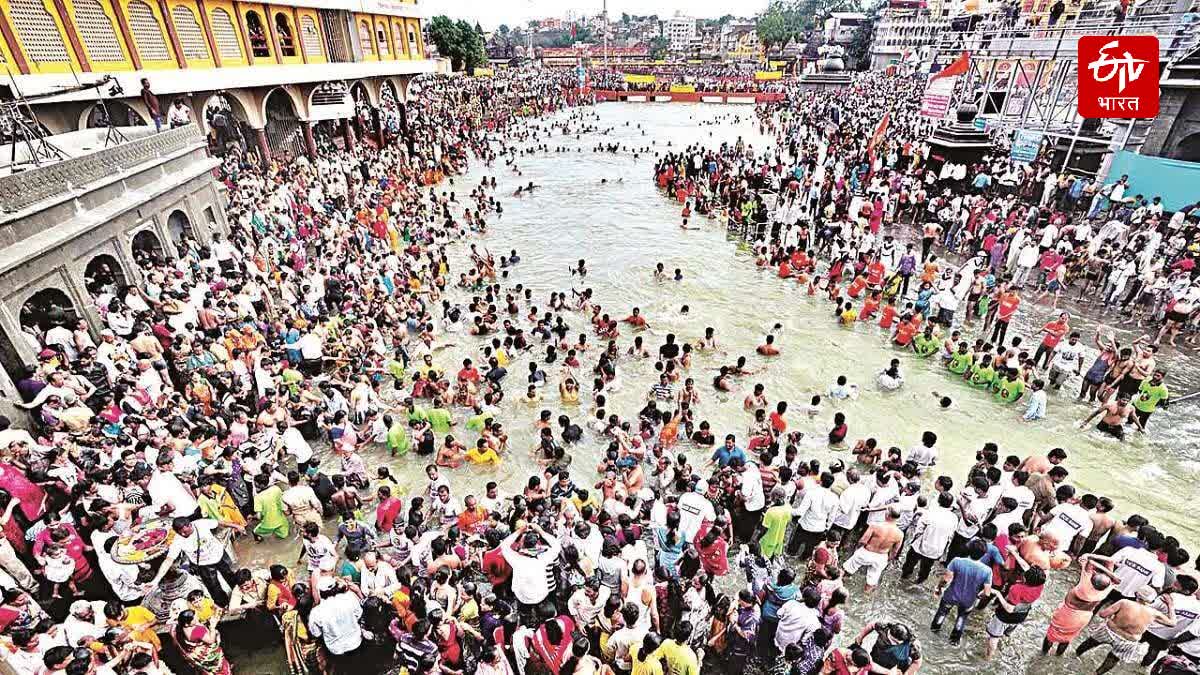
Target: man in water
x,y
1125,623
1115,415
880,544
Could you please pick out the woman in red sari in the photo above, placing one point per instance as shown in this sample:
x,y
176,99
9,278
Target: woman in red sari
x,y
550,646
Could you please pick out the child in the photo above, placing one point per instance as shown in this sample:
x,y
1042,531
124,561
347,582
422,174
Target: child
x,y
59,568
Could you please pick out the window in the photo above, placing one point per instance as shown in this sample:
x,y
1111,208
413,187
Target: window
x,y
364,37
258,36
97,32
413,47
39,35
310,37
398,38
191,37
283,29
147,34
381,38
225,35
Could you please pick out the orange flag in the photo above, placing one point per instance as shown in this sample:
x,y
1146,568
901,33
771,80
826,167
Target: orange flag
x,y
959,67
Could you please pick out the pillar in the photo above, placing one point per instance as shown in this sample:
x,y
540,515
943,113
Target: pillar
x,y
310,143
378,118
348,134
263,148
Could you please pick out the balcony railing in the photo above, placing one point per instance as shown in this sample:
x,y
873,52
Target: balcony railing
x,y
21,190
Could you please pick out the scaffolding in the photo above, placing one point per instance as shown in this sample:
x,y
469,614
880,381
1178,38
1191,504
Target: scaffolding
x,y
1025,77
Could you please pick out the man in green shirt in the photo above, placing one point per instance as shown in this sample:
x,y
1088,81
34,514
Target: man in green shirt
x,y
1151,394
775,524
1011,388
398,441
440,419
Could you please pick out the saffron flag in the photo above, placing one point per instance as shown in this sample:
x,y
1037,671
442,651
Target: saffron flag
x,y
875,138
959,67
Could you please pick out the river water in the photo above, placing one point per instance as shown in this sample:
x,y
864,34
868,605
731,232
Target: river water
x,y
625,226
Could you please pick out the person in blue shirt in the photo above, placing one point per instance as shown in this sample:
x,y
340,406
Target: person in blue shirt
x,y
774,596
966,580
725,454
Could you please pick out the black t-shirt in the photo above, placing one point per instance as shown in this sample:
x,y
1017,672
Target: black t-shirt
x,y
669,350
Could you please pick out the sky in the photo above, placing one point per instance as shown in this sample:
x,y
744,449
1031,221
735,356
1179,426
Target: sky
x,y
492,13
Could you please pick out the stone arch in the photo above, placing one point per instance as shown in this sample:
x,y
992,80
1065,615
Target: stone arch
x,y
286,34
283,127
1188,148
47,307
122,114
389,94
147,245
103,273
275,98
179,226
362,90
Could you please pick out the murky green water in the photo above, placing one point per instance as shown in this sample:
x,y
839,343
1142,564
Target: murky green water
x,y
624,228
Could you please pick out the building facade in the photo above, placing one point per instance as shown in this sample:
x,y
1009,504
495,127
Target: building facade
x,y
680,32
275,68
108,174
905,33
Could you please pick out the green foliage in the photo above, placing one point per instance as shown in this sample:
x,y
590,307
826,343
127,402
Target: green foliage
x,y
458,41
788,20
859,49
658,47
502,29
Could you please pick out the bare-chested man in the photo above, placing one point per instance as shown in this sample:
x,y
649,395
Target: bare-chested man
x,y
1115,414
1125,622
1035,464
879,544
1102,521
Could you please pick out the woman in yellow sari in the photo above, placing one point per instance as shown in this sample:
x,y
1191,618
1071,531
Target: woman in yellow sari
x,y
216,503
304,653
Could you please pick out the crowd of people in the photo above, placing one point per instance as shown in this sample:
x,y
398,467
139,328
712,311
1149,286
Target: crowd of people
x,y
235,393
703,78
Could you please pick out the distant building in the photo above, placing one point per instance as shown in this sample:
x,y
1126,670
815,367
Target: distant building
x,y
906,32
739,41
681,33
593,54
840,27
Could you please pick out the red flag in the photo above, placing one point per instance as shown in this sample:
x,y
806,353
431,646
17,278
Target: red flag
x,y
574,29
959,67
875,138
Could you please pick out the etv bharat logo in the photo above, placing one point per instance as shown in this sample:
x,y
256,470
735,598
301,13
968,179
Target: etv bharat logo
x,y
1118,76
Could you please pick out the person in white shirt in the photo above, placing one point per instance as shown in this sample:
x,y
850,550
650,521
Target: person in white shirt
x,y
1067,520
533,555
1068,357
1187,611
851,503
798,617
206,556
1139,567
813,518
168,494
931,535
694,510
335,621
377,577
925,455
753,500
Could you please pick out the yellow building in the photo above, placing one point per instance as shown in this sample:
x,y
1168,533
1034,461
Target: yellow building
x,y
266,61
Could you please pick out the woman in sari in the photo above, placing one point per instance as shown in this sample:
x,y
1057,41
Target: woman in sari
x,y
216,503
200,644
304,653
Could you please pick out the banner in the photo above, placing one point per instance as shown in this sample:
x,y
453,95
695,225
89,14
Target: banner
x,y
1172,179
1025,145
768,75
640,79
777,65
683,89
936,101
484,72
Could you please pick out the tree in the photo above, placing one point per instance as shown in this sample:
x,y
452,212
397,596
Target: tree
x,y
625,18
502,29
859,49
459,42
658,47
774,27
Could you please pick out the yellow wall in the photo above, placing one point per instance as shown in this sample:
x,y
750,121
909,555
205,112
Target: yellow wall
x,y
291,22
417,51
190,6
400,37
264,17
46,66
366,42
312,13
152,64
125,63
227,5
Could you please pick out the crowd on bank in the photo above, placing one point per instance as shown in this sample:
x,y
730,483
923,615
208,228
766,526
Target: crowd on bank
x,y
698,78
204,408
